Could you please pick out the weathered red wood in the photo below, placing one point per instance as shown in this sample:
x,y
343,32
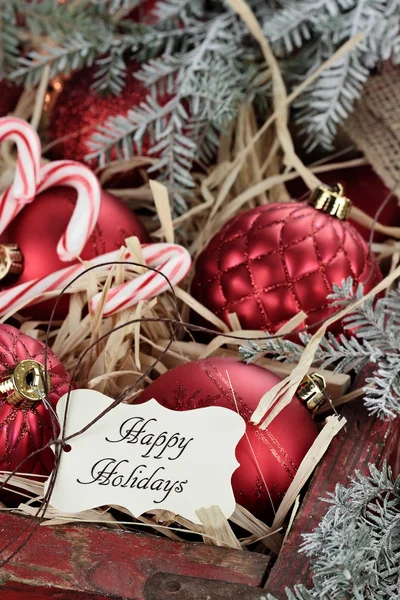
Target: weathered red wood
x,y
118,563
21,591
366,440
163,586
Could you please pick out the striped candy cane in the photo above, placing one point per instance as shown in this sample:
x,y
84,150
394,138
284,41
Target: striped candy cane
x,y
30,179
87,207
23,189
172,260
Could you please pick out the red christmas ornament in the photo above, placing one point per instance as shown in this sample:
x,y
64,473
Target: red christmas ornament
x,y
39,226
78,110
25,425
279,450
367,192
271,262
9,96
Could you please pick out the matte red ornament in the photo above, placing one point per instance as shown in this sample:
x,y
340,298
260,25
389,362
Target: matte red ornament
x,y
24,430
39,226
260,483
367,192
271,262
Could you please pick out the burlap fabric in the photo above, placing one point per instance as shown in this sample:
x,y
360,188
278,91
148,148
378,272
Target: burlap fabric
x,y
374,125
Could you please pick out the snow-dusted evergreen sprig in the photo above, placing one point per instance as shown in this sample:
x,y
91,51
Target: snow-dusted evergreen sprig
x,y
372,337
291,26
111,71
279,348
346,354
211,69
330,99
79,33
75,51
114,6
8,40
55,20
183,10
355,549
318,28
203,88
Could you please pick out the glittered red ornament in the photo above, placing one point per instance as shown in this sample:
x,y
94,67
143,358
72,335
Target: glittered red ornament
x,y
24,430
367,192
279,449
78,110
39,226
271,262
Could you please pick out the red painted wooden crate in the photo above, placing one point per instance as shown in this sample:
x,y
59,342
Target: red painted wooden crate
x,y
92,563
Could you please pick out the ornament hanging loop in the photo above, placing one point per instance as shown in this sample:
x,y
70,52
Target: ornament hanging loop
x,y
331,200
25,384
311,391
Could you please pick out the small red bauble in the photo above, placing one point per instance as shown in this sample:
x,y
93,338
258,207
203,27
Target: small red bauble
x,y
24,430
367,192
39,226
271,262
279,450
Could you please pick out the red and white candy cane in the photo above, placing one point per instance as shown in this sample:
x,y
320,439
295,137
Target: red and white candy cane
x,y
87,207
170,259
23,189
30,179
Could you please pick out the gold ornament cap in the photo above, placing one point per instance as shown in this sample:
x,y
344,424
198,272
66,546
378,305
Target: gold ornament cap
x,y
11,262
25,384
331,200
311,391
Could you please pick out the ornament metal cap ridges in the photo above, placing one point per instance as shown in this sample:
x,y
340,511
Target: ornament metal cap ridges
x,y
331,200
25,384
11,262
311,391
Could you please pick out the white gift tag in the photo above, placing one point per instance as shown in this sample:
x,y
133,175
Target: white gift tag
x,y
146,457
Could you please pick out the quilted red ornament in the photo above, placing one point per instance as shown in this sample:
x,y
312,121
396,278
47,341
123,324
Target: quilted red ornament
x,y
39,226
271,262
26,429
264,476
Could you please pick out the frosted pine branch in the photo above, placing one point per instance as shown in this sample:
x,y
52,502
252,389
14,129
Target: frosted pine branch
x,y
280,349
179,10
114,6
289,28
319,28
203,99
330,99
8,40
303,34
372,337
355,549
74,54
